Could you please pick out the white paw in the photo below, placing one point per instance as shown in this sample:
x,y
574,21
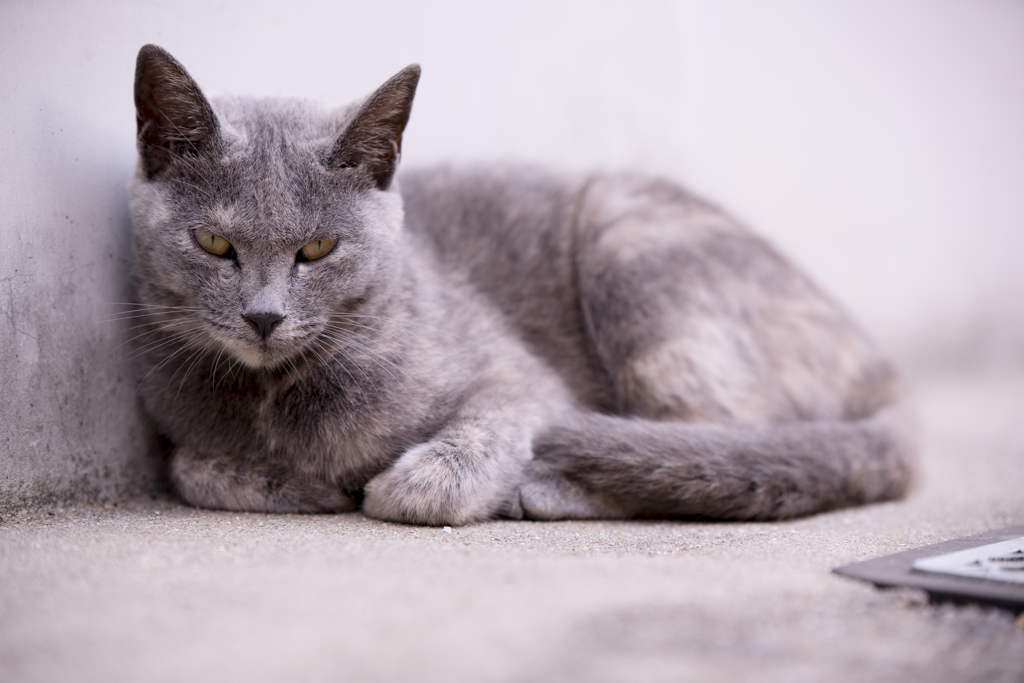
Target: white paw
x,y
434,483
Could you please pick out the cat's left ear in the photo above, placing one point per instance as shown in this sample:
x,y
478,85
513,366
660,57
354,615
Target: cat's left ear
x,y
373,141
175,120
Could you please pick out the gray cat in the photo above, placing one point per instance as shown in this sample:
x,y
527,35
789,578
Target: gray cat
x,y
452,345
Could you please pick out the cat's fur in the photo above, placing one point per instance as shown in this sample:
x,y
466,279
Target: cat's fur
x,y
493,341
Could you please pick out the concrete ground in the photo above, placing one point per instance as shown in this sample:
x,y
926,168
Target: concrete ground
x,y
151,590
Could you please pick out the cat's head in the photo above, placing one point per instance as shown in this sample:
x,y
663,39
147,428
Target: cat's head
x,y
255,220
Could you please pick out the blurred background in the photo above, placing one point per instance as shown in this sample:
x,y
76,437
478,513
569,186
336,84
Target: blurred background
x,y
880,144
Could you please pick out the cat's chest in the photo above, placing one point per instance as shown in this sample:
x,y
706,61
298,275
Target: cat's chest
x,y
307,421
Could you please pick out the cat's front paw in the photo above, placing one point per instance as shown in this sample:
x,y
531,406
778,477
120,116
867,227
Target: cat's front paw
x,y
226,483
434,483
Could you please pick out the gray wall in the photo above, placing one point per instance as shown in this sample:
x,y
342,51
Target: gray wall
x,y
879,143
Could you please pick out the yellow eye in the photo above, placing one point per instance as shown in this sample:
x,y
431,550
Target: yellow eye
x,y
315,250
215,244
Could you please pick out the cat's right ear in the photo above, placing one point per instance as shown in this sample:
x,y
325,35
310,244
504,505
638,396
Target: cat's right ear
x,y
175,121
372,142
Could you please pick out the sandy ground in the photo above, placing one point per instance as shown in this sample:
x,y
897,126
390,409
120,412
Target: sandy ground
x,y
150,590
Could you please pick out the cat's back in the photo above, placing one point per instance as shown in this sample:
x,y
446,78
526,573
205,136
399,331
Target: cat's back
x,y
502,224
620,281
509,231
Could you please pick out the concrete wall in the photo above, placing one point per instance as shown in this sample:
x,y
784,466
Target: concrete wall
x,y
879,143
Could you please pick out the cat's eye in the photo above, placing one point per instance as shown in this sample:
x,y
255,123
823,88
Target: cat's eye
x,y
215,244
314,250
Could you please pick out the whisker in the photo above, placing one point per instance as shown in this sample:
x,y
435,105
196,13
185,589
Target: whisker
x,y
213,372
329,365
369,352
198,355
330,351
156,330
142,310
404,325
373,356
158,343
236,366
183,335
159,365
230,369
293,365
335,327
136,304
360,387
468,374
136,316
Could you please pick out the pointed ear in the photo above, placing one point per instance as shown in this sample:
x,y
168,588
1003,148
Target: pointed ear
x,y
373,141
174,118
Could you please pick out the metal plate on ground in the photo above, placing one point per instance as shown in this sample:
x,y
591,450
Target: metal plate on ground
x,y
994,562
946,571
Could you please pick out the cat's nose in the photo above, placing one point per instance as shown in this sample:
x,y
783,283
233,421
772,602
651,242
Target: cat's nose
x,y
263,323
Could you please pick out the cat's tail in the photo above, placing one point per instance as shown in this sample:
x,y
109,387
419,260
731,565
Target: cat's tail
x,y
607,466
